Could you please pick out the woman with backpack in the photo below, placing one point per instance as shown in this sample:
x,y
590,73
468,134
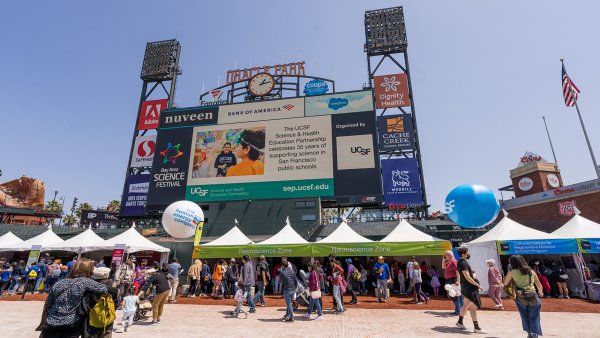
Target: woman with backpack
x,y
100,307
352,280
60,317
524,282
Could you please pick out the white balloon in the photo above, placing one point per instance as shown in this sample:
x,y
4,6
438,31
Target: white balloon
x,y
181,219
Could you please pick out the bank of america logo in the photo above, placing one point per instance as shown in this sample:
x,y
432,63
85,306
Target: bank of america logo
x,y
288,106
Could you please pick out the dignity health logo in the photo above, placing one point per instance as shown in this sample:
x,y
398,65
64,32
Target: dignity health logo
x,y
172,153
390,83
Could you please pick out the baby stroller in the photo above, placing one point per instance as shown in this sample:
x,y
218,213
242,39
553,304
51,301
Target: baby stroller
x,y
302,294
144,305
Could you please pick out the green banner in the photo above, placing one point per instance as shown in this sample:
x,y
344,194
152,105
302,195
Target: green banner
x,y
381,249
255,250
260,190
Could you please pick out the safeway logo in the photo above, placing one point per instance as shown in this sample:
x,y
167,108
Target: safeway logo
x,y
146,148
150,114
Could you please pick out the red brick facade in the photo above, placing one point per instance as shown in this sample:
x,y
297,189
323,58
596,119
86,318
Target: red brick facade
x,y
547,217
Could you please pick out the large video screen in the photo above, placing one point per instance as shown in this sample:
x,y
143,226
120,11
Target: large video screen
x,y
269,150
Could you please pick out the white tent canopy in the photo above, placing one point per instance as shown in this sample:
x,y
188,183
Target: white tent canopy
x,y
484,247
232,237
344,234
84,242
509,230
9,239
44,239
287,235
578,227
134,242
405,232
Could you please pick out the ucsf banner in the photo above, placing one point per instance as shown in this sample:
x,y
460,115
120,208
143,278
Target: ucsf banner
x,y
284,158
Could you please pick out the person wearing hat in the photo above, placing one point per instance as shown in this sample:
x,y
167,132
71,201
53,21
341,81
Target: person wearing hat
x,y
495,283
352,281
100,275
232,276
194,273
124,274
382,271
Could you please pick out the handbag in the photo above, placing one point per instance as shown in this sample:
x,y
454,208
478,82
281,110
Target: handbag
x,y
315,294
527,296
510,290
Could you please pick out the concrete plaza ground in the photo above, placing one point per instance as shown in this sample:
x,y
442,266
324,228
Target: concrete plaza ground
x,y
18,319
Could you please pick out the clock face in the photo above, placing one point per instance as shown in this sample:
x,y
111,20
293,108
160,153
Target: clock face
x,y
261,84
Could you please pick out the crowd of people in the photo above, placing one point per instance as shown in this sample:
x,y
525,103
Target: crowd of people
x,y
78,286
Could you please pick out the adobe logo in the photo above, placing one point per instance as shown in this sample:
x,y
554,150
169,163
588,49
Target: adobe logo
x,y
150,114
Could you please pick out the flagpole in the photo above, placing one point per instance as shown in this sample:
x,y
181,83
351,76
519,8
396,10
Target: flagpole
x,y
587,139
550,139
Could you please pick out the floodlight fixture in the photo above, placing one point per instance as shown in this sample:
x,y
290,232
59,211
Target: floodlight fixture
x,y
385,31
161,60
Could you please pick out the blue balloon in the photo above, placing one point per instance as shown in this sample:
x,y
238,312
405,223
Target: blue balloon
x,y
472,205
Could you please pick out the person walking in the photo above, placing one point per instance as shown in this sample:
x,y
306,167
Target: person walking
x,y
382,271
352,280
129,306
159,280
174,271
452,276
409,272
124,275
239,300
102,276
469,288
495,284
417,281
261,281
61,316
288,284
527,299
337,279
277,273
248,278
562,278
204,279
194,274
232,276
435,281
315,293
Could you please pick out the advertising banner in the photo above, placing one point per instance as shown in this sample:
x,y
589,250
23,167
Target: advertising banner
x,y
170,167
537,247
589,245
149,116
34,255
143,151
289,250
316,87
391,91
188,117
381,249
101,215
339,103
259,111
134,199
401,182
395,132
117,255
260,160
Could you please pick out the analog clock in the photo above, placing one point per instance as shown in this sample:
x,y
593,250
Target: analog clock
x,y
261,84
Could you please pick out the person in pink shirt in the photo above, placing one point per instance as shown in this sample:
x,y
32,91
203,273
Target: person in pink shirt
x,y
495,283
451,275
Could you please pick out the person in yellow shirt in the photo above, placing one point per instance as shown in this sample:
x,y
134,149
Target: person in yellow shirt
x,y
249,149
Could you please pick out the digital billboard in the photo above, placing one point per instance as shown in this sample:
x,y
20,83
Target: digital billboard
x,y
269,150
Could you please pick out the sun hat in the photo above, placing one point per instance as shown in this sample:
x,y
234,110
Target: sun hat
x,y
100,273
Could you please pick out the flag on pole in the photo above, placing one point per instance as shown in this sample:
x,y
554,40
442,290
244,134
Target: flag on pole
x,y
570,90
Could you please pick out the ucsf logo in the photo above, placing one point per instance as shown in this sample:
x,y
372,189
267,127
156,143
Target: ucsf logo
x,y
199,191
360,150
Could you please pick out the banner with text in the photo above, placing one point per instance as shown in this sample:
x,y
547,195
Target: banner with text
x,y
391,91
339,103
284,158
401,182
136,193
259,111
537,247
395,132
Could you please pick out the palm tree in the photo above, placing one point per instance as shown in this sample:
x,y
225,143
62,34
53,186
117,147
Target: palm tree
x,y
70,220
53,207
83,206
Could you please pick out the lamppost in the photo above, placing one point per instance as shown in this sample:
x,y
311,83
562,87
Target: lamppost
x,y
55,193
62,199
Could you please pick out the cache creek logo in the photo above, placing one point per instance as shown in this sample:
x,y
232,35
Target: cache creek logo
x,y
355,152
171,153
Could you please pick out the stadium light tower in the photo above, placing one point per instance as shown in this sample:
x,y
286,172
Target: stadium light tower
x,y
385,33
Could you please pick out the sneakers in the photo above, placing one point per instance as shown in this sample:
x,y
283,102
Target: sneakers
x,y
461,326
252,310
125,328
480,331
319,318
419,303
306,315
154,323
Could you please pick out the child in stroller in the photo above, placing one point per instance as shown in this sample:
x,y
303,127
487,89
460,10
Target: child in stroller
x,y
239,298
144,304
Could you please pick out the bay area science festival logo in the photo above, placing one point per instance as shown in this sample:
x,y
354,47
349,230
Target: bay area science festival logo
x,y
171,153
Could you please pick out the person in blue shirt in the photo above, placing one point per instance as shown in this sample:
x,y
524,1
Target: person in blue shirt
x,y
41,264
383,274
15,278
205,278
174,271
5,277
31,275
71,263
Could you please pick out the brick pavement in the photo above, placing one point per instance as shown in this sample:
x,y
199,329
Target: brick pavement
x,y
18,319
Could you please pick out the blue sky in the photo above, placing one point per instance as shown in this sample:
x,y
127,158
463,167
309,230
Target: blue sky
x,y
483,74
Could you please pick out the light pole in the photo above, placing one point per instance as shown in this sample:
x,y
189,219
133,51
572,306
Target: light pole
x,y
62,199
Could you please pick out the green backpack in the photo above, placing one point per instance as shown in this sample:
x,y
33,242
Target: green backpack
x,y
103,313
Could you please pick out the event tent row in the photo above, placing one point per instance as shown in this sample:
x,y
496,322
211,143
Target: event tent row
x,y
578,235
343,241
86,241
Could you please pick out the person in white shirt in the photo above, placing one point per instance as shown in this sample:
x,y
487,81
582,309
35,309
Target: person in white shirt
x,y
409,274
129,305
